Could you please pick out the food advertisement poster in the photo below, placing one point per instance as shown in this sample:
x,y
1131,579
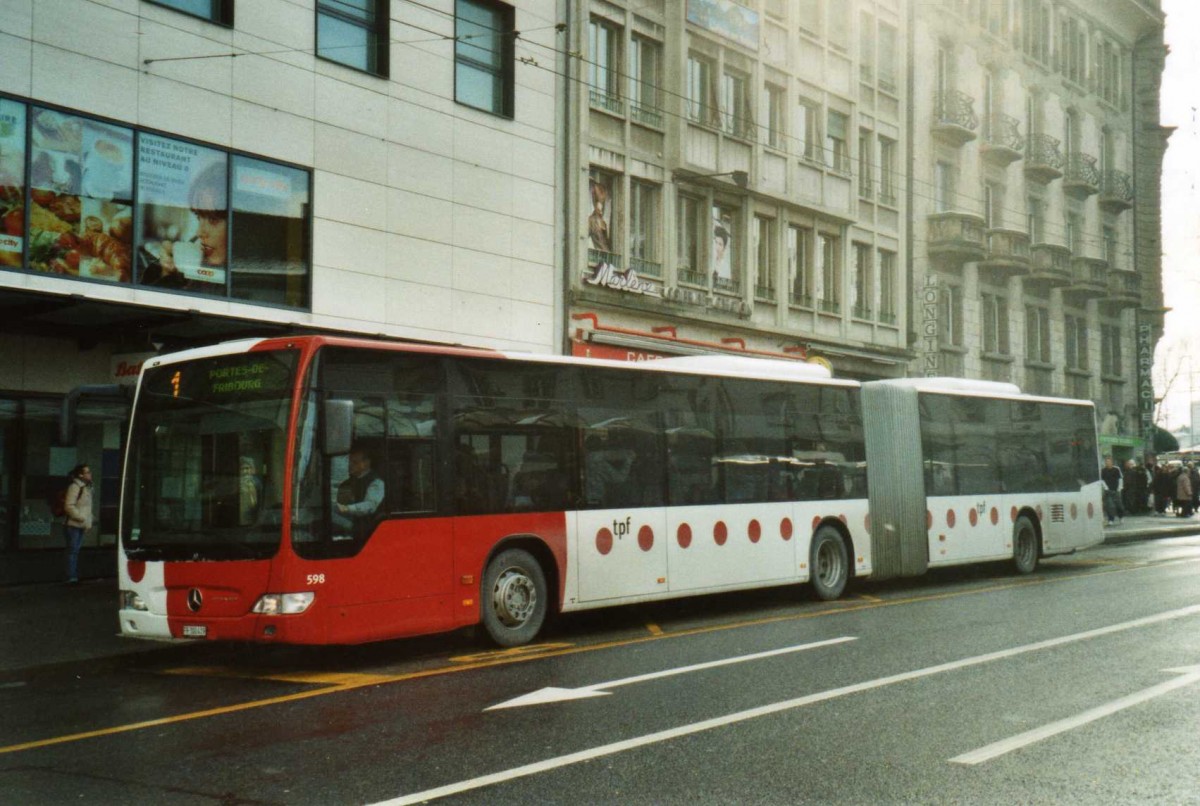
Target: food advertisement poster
x,y
182,196
81,178
12,182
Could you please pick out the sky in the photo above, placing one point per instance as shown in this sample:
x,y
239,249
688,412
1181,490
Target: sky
x,y
1177,360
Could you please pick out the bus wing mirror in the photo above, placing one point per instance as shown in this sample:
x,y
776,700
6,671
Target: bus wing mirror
x,y
339,426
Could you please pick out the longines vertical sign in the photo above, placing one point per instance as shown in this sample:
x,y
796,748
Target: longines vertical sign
x,y
929,325
1145,381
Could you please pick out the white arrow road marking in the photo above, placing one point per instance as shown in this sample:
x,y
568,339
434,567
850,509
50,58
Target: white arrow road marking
x,y
767,710
1190,675
552,694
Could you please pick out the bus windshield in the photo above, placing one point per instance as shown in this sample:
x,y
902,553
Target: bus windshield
x,y
206,458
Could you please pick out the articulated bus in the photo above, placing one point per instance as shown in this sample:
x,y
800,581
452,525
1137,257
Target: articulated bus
x,y
511,487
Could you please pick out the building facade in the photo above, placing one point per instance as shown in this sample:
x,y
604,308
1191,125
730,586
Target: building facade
x,y
1037,154
177,172
737,181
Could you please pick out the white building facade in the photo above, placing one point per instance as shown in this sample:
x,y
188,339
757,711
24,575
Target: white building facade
x,y
176,172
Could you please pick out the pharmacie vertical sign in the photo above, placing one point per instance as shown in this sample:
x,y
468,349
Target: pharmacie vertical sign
x,y
1145,382
929,326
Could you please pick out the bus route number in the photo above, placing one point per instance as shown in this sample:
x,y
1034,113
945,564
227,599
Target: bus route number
x,y
315,579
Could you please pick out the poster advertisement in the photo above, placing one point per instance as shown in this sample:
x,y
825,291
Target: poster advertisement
x,y
81,179
722,246
270,232
183,200
12,182
599,223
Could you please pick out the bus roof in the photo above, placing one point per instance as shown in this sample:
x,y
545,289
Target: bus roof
x,y
977,388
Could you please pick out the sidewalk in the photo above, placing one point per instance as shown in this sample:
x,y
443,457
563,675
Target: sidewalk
x,y
43,626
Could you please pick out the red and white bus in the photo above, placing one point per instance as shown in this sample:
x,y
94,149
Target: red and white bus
x,y
512,486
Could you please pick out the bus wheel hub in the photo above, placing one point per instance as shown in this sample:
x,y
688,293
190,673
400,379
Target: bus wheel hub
x,y
514,597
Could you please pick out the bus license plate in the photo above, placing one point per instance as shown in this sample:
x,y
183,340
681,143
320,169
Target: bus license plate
x,y
194,630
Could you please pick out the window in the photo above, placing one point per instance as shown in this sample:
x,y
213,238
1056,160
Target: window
x,y
1110,245
839,24
993,205
722,262
809,13
643,228
270,233
219,11
866,47
645,56
887,287
1037,334
829,273
1110,350
995,324
764,248
836,144
604,41
887,57
354,33
773,101
602,220
866,170
1075,343
1035,219
799,242
701,91
691,231
943,187
863,282
736,118
807,129
1075,232
950,316
887,171
483,56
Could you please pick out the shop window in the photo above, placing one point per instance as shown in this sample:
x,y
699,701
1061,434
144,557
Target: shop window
x,y
12,182
270,233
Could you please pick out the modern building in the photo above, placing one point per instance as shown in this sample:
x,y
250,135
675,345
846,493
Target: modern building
x,y
737,181
1037,153
176,172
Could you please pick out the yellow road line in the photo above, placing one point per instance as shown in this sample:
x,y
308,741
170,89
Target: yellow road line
x,y
306,678
654,629
504,658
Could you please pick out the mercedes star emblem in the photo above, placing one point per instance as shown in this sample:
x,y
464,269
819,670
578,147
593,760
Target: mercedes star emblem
x,y
194,600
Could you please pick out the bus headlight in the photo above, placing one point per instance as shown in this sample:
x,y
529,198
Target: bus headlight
x,y
131,601
283,604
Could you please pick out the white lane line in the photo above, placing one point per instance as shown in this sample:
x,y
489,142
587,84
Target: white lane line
x,y
767,710
553,694
1189,676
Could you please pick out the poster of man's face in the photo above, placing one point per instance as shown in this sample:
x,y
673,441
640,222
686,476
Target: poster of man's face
x,y
722,244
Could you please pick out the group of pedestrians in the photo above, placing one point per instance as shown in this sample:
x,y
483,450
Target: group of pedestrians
x,y
1150,488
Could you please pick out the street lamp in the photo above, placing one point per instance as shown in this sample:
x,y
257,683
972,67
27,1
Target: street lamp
x,y
740,178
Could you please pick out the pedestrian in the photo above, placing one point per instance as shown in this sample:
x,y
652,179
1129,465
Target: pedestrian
x,y
1183,493
1164,489
1114,483
1194,475
78,506
1129,498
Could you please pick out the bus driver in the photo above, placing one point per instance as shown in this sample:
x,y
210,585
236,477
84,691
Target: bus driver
x,y
358,498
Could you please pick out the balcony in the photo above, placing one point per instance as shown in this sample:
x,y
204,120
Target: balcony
x,y
954,118
955,239
1124,290
1050,266
1007,253
1002,141
1082,178
1116,191
1043,160
609,102
1089,278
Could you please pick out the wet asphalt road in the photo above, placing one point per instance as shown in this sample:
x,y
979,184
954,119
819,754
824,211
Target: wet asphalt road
x,y
909,679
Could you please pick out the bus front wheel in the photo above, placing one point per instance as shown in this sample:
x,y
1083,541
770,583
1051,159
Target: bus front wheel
x,y
830,564
1025,546
514,598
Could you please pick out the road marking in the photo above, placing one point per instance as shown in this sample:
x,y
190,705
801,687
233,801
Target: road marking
x,y
773,708
653,628
516,652
506,657
553,694
1189,676
354,679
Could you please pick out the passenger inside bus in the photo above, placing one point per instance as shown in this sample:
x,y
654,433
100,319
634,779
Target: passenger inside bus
x,y
359,498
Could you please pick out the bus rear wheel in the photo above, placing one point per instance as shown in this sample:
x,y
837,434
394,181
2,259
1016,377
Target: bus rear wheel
x,y
514,598
830,563
1025,546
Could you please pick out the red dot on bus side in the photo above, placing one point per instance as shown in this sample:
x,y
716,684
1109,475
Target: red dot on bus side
x,y
137,570
950,518
1074,512
604,541
1012,515
995,516
720,533
755,531
684,535
645,538
816,522
785,528
973,516
1091,511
